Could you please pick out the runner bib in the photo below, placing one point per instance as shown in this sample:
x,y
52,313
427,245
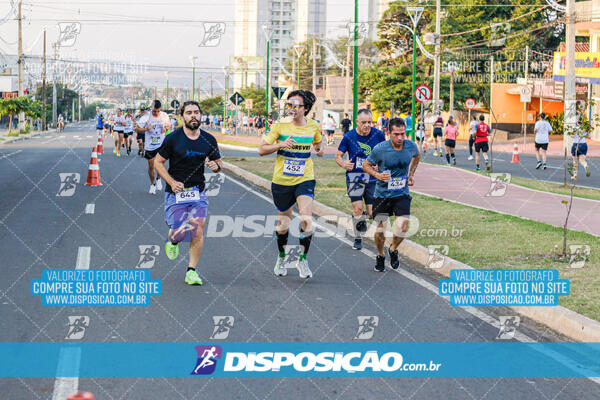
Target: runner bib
x,y
397,183
188,195
294,167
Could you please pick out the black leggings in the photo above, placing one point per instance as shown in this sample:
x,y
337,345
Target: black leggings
x,y
471,142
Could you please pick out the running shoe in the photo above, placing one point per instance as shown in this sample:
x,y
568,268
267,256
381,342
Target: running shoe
x,y
544,166
358,244
587,171
128,151
280,269
158,184
192,278
477,169
538,165
115,150
302,267
380,264
394,262
453,160
487,166
172,250
441,154
470,158
118,154
435,153
152,189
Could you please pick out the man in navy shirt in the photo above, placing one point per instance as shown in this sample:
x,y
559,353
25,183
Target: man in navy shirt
x,y
99,121
396,161
358,143
188,149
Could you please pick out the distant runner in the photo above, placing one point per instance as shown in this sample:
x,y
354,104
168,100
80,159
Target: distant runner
x,y
481,142
450,132
542,131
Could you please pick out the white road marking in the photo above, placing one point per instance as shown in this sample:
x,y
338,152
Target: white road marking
x,y
76,136
69,358
89,136
83,258
67,381
434,289
61,136
90,208
10,154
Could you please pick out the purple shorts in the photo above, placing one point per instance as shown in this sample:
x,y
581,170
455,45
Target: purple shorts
x,y
177,214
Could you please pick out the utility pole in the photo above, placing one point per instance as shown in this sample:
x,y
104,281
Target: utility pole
x,y
451,106
314,60
347,85
54,96
20,62
211,85
436,75
525,103
355,70
491,87
79,107
570,122
44,85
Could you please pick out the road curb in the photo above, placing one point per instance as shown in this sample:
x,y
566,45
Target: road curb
x,y
558,318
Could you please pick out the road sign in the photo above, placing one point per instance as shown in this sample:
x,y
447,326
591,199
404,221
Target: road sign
x,y
525,94
236,98
422,93
248,104
175,104
469,104
279,91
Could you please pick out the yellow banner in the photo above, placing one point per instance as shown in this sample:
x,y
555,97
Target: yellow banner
x,y
587,66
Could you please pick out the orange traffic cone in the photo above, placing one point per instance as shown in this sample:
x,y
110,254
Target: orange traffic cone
x,y
93,178
100,146
81,396
515,157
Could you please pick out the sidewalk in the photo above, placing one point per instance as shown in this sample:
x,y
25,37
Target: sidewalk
x,y
555,147
471,189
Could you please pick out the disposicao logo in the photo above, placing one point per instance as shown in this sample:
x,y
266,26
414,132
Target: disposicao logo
x,y
207,359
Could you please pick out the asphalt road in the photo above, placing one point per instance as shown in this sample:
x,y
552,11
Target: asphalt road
x,y
39,230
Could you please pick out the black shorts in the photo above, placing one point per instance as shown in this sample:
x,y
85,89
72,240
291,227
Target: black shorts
x,y
150,154
285,196
541,146
127,134
450,143
141,136
483,146
437,132
328,132
119,132
368,194
397,206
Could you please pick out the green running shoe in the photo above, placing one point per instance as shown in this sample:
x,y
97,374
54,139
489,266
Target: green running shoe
x,y
192,278
172,250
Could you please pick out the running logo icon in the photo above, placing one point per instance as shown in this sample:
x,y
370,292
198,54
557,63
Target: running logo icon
x,y
578,255
437,253
363,32
207,359
77,326
212,34
148,254
68,33
508,327
292,255
357,183
68,183
213,184
498,184
366,327
223,324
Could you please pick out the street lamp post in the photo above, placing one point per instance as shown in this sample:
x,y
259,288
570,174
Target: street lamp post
x,y
193,60
415,14
267,32
355,69
167,75
299,49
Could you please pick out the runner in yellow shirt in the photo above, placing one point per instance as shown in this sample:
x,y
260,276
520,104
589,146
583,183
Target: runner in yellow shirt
x,y
293,176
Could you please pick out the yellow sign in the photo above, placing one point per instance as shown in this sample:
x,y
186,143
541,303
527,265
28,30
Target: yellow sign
x,y
587,67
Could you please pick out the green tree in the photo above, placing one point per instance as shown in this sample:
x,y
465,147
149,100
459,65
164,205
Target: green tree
x,y
212,105
258,100
64,97
31,108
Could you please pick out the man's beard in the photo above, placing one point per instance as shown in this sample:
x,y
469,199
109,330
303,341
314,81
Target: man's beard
x,y
193,124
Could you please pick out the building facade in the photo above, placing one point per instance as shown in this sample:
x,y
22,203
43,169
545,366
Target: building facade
x,y
289,22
